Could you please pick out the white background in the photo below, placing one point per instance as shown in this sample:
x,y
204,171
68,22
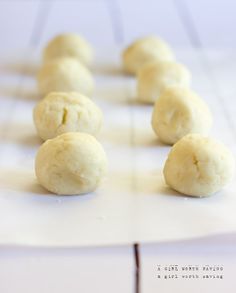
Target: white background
x,y
183,23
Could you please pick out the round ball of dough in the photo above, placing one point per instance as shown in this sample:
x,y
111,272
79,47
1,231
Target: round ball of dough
x,y
179,111
154,78
71,163
198,166
65,75
145,50
64,112
68,45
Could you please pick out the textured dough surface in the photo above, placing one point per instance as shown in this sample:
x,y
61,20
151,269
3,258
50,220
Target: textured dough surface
x,y
143,51
69,45
179,111
65,75
72,163
198,166
61,112
154,78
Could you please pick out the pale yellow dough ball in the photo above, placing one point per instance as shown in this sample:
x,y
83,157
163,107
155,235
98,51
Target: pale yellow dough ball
x,y
143,51
154,78
65,75
72,163
180,111
198,166
61,112
69,45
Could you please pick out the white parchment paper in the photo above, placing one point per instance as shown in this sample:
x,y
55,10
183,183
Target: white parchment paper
x,y
133,204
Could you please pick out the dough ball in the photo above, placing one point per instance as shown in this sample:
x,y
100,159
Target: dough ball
x,y
64,112
178,112
68,45
145,50
198,166
71,163
154,78
65,75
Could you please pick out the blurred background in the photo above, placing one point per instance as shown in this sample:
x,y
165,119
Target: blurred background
x,y
183,23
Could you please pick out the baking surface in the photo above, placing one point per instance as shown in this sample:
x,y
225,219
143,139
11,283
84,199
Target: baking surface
x,y
133,204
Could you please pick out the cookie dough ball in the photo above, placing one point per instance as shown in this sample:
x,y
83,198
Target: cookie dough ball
x,y
72,163
68,45
154,78
65,75
178,112
64,112
198,166
145,50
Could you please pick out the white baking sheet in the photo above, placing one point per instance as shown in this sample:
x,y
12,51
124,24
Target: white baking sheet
x,y
133,204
